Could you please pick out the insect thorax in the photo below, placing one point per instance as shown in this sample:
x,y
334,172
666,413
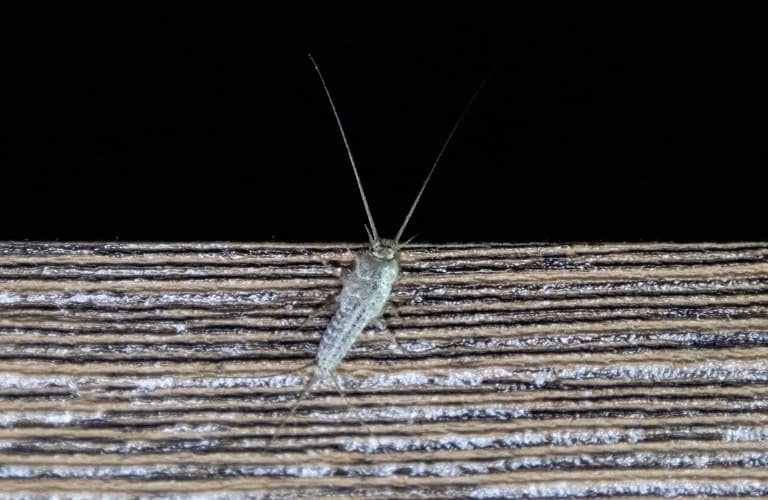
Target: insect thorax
x,y
378,269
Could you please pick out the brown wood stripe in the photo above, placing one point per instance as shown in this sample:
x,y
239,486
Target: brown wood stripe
x,y
526,370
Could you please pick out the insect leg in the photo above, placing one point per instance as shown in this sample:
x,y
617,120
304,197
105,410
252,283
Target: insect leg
x,y
394,340
391,310
327,306
381,327
339,267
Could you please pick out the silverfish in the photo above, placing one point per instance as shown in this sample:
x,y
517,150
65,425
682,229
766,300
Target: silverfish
x,y
367,288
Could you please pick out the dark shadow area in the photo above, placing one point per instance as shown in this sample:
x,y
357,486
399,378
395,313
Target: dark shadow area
x,y
599,123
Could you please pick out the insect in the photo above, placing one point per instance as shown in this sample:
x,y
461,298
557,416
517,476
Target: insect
x,y
367,288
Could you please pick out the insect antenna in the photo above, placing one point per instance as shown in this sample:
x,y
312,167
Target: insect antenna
x,y
349,150
368,232
437,160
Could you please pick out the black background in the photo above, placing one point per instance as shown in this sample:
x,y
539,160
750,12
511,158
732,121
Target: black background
x,y
600,122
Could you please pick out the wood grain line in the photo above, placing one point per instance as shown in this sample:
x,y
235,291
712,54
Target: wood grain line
x,y
530,370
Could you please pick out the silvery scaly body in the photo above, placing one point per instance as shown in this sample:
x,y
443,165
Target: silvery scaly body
x,y
362,300
367,288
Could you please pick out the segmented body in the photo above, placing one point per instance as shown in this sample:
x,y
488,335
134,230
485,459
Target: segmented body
x,y
362,300
367,288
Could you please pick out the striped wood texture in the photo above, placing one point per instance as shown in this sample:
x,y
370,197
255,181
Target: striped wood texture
x,y
525,370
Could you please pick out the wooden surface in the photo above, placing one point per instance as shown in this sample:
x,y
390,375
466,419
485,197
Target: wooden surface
x,y
525,370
